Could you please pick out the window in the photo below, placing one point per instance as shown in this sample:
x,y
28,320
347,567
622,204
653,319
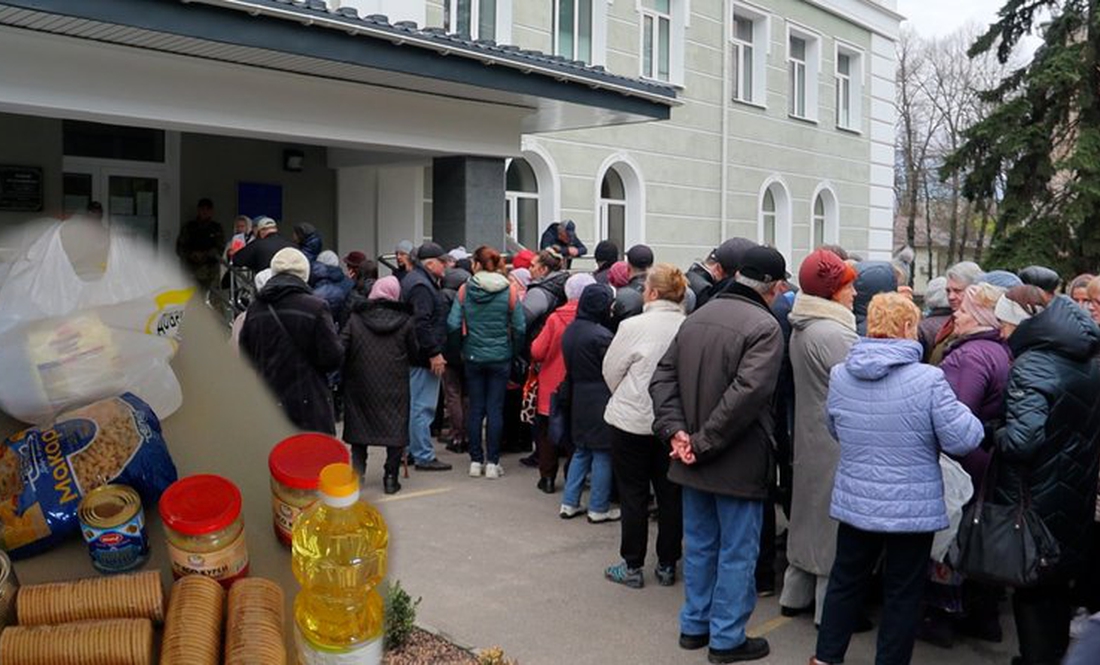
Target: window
x,y
656,39
749,47
817,224
613,208
803,58
573,21
472,19
767,210
521,208
849,87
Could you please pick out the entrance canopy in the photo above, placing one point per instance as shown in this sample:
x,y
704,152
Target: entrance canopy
x,y
292,68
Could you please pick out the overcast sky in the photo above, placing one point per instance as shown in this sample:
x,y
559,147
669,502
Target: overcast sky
x,y
934,18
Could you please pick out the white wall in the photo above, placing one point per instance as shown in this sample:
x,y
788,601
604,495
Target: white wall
x,y
28,141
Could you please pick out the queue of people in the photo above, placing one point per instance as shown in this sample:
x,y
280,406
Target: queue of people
x,y
719,394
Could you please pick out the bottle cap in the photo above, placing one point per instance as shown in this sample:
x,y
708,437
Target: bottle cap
x,y
338,481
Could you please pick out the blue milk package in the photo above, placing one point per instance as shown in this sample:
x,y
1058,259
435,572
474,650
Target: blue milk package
x,y
46,471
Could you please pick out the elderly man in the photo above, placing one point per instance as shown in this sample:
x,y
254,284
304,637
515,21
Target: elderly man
x,y
420,290
562,237
711,397
959,277
257,255
710,277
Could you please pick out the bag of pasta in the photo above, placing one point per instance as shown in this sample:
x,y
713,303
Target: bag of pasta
x,y
44,472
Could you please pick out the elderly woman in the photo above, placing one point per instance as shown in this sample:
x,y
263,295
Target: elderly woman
x,y
1048,454
892,415
823,331
639,459
976,363
1078,290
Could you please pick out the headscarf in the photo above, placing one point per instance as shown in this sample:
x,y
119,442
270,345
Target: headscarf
x,y
980,302
387,288
574,286
522,275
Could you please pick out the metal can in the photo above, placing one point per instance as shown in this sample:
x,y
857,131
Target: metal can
x,y
9,586
114,528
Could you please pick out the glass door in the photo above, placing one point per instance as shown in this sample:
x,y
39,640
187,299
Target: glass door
x,y
130,199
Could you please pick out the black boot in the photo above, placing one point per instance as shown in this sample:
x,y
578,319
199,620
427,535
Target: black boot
x,y
390,485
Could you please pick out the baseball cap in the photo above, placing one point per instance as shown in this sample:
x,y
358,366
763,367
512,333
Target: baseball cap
x,y
764,264
730,253
265,222
640,256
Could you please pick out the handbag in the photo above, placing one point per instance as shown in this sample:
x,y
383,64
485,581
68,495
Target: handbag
x,y
1004,544
529,409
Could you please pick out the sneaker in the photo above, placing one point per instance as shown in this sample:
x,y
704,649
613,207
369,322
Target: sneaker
x,y
493,471
475,469
433,465
612,515
665,573
753,648
629,577
567,512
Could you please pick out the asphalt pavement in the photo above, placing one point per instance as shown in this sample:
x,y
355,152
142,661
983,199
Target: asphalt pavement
x,y
496,566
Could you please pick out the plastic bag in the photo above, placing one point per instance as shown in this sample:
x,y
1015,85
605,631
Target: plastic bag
x,y
69,337
45,472
958,489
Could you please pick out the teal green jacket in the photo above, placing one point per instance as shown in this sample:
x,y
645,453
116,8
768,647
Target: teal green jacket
x,y
482,312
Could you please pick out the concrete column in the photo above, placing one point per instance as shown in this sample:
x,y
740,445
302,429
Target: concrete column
x,y
468,202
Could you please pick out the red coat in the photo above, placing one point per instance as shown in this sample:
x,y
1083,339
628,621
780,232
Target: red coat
x,y
546,350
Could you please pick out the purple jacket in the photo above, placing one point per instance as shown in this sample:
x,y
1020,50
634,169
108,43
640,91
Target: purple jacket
x,y
977,367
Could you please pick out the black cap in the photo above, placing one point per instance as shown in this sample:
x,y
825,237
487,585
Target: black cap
x,y
1042,277
606,252
730,253
764,264
429,250
640,256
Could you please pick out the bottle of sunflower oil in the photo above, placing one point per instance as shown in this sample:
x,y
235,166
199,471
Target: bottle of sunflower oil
x,y
339,559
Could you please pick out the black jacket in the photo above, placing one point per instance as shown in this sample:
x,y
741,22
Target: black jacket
x,y
629,300
701,282
550,239
294,367
420,291
716,382
257,255
1050,443
583,347
380,339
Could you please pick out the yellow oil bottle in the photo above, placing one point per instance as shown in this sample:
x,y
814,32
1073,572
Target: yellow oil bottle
x,y
339,559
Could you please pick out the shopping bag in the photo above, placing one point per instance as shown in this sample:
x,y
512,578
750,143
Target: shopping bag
x,y
70,337
958,489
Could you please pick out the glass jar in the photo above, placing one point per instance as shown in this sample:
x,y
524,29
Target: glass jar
x,y
204,528
295,465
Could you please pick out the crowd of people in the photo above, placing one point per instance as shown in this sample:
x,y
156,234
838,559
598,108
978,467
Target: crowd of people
x,y
722,394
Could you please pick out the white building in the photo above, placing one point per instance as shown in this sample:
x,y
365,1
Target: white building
x,y
777,117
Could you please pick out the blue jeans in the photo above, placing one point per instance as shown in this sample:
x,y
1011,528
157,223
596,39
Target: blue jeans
x,y
599,462
721,543
486,385
423,398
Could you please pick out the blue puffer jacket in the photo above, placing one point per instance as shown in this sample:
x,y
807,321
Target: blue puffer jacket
x,y
333,286
892,416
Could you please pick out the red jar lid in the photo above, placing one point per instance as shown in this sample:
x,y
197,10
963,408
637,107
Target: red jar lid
x,y
297,461
198,505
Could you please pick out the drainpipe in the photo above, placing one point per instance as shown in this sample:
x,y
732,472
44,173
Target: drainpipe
x,y
727,93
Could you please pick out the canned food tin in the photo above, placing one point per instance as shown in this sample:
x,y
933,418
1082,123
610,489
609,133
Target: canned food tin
x,y
114,528
9,586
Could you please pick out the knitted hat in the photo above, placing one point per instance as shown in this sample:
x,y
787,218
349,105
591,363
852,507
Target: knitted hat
x,y
261,278
404,247
1011,312
355,259
823,273
329,258
606,252
387,288
292,261
619,275
523,259
574,286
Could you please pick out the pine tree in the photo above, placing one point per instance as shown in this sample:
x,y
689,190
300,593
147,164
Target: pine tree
x,y
1039,150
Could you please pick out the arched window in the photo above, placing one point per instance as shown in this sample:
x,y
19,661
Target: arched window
x,y
521,207
818,223
613,208
824,217
774,225
767,211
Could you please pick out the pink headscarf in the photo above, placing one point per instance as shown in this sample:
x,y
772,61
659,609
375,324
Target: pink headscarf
x,y
980,302
387,288
619,274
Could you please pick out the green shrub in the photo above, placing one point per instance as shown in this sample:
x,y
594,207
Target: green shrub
x,y
400,615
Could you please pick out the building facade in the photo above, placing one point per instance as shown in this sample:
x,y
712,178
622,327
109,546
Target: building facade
x,y
785,133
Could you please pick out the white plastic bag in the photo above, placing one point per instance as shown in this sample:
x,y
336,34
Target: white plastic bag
x,y
70,335
958,489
